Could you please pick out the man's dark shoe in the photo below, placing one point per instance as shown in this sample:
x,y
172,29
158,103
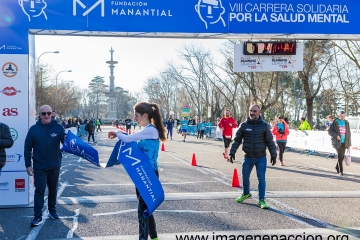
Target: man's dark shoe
x,y
36,221
54,215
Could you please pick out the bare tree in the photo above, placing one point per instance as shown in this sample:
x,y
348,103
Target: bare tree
x,y
316,60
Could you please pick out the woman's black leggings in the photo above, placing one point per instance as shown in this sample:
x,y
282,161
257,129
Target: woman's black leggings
x,y
282,147
147,226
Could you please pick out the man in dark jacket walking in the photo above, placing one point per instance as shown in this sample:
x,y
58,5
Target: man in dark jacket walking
x,y
90,128
42,145
6,141
340,134
255,135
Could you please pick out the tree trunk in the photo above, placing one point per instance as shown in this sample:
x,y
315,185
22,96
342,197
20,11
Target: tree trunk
x,y
310,107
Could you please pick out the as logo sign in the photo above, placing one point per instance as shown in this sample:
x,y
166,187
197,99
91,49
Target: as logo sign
x,y
10,112
9,69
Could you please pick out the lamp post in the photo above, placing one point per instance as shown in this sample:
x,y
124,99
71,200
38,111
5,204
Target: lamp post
x,y
41,85
57,88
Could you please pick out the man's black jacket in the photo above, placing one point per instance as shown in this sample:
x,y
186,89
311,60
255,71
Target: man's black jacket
x,y
255,135
6,141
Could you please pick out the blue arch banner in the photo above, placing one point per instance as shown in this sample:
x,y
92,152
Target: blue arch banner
x,y
190,16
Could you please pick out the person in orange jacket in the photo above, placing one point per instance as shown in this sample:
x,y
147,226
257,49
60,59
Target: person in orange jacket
x,y
226,124
281,131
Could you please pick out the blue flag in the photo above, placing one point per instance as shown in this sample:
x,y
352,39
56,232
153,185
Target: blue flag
x,y
74,145
142,174
113,159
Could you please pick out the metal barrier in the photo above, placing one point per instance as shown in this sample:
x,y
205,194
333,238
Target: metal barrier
x,y
192,130
211,133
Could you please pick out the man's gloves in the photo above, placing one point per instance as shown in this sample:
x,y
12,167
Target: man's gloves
x,y
273,161
232,158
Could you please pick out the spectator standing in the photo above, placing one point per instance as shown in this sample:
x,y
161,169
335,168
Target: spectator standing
x,y
128,122
281,131
90,128
226,124
304,125
255,135
330,119
340,134
98,125
169,126
45,165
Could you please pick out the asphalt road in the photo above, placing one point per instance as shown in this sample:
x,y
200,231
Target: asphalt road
x,y
306,198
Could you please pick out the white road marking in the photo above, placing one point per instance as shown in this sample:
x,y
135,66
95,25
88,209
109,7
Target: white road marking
x,y
299,213
172,211
202,171
222,181
35,231
178,158
75,224
209,170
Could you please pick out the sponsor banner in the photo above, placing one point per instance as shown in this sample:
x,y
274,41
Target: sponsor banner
x,y
14,188
16,40
142,174
14,107
267,63
185,111
197,16
114,156
75,145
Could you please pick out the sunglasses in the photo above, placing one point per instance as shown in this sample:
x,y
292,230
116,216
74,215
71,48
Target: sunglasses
x,y
253,110
44,113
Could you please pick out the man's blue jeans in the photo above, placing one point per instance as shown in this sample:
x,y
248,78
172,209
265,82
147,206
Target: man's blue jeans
x,y
247,166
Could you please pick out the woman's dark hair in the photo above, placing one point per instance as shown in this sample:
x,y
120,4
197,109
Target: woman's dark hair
x,y
153,112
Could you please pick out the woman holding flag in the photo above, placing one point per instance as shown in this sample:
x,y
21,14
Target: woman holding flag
x,y
146,115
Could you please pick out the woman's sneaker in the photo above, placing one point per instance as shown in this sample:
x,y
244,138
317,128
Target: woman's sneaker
x,y
262,204
243,197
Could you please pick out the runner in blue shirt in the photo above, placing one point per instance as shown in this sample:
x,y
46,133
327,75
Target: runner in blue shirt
x,y
146,115
184,126
201,127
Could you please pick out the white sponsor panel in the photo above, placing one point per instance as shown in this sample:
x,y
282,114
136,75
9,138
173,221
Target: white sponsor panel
x,y
14,188
268,63
14,111
319,141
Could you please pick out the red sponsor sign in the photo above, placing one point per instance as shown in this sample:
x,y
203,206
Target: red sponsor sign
x,y
19,185
10,91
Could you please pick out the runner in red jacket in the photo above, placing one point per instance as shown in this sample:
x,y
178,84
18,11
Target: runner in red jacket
x,y
226,125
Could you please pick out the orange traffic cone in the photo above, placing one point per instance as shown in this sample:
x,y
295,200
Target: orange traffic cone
x,y
163,147
193,161
235,180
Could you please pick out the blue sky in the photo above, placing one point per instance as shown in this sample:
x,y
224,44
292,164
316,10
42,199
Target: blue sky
x,y
139,58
